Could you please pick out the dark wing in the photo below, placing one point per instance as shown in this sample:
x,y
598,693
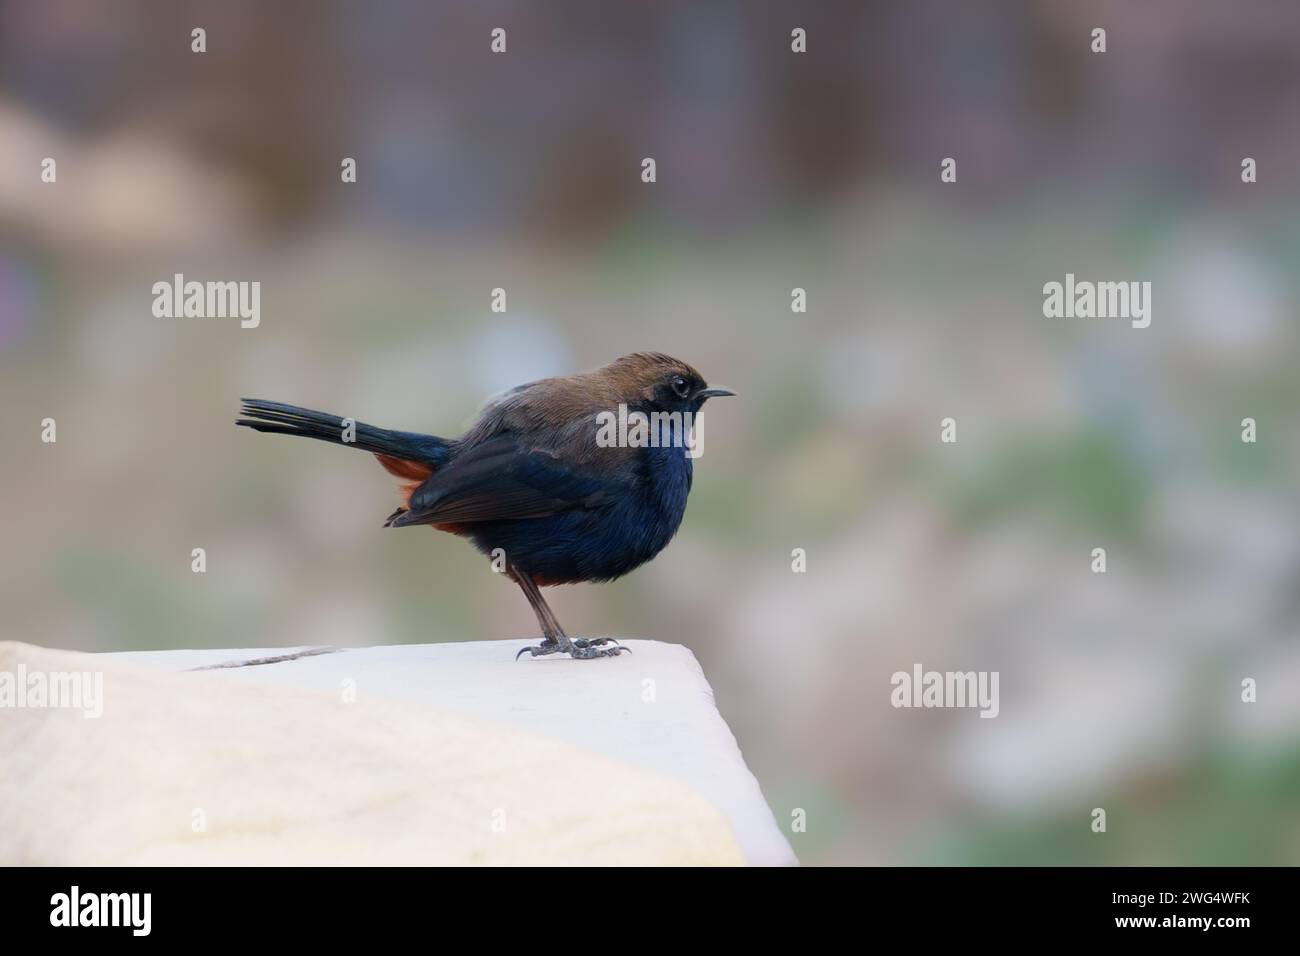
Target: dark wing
x,y
500,480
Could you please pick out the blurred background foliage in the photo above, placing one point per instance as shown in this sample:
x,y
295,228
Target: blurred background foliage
x,y
775,170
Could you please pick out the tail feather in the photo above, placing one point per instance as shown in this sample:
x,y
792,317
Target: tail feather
x,y
277,418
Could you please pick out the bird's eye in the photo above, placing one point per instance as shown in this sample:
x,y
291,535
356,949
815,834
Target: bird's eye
x,y
681,387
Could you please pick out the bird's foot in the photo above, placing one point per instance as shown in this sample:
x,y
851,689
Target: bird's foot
x,y
596,642
580,649
584,648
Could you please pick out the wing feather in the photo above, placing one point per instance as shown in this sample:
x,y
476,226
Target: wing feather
x,y
500,480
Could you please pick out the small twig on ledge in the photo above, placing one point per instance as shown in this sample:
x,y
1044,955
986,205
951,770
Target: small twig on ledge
x,y
279,659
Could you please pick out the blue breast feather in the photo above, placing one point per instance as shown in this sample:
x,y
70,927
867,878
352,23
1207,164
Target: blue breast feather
x,y
607,540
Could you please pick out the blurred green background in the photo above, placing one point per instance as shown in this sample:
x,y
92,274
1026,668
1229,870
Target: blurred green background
x,y
775,170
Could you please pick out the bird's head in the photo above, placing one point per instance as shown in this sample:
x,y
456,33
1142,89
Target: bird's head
x,y
661,382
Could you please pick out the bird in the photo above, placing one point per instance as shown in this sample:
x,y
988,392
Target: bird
x,y
537,481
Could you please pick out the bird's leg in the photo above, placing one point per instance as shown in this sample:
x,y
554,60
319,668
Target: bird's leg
x,y
554,640
553,637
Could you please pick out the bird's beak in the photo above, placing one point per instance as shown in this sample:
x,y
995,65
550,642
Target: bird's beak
x,y
715,392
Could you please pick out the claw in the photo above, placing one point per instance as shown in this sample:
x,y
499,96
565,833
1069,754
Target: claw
x,y
595,641
547,646
587,653
582,649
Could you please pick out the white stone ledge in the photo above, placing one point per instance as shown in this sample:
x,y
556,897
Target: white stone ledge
x,y
652,710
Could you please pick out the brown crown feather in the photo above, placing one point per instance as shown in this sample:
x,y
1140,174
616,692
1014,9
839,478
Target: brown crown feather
x,y
559,414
